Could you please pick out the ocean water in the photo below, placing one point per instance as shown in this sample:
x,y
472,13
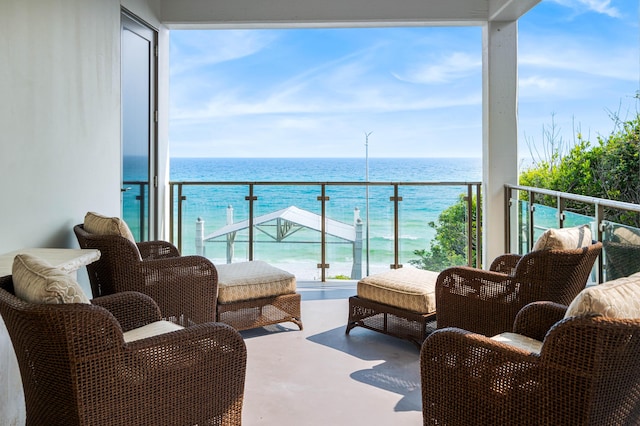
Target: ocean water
x,y
298,249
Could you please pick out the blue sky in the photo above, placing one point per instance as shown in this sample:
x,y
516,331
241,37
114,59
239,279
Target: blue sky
x,y
316,92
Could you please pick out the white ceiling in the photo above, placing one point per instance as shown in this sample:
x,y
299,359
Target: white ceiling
x,y
336,13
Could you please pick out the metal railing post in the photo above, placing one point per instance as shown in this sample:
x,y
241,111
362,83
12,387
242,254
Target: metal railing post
x,y
323,265
396,228
251,198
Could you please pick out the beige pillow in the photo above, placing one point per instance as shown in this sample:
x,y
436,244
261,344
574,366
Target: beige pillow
x,y
564,238
102,225
36,281
626,236
619,298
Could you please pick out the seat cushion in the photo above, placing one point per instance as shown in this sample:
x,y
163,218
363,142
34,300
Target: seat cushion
x,y
36,281
153,329
564,238
252,280
407,288
519,341
98,224
619,298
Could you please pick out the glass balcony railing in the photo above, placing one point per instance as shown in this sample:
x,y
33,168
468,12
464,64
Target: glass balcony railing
x,y
135,208
530,211
318,230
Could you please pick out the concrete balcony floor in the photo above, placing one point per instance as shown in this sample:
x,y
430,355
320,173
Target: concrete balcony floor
x,y
320,376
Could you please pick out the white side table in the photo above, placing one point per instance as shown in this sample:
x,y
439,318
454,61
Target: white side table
x,y
68,260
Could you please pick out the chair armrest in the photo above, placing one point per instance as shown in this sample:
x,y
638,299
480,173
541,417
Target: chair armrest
x,y
467,377
130,308
185,285
505,263
536,319
157,250
481,301
191,376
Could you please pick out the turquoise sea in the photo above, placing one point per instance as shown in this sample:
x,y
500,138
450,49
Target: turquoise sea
x,y
300,250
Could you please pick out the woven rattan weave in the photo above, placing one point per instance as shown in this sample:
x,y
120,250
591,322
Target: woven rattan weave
x,y
588,373
77,370
247,314
390,320
185,287
487,302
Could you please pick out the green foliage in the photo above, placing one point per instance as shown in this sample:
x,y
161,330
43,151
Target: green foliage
x,y
609,169
449,246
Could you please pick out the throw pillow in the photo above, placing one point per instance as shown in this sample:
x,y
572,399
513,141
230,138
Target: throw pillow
x,y
626,236
564,238
103,225
619,298
36,281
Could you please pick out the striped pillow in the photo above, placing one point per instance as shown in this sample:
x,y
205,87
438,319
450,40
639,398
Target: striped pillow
x,y
564,238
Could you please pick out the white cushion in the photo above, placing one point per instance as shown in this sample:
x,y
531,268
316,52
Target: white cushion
x,y
36,281
407,288
153,329
619,298
96,223
252,280
564,238
519,341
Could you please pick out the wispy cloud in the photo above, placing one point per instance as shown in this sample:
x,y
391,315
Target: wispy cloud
x,y
586,56
603,7
198,48
314,92
454,66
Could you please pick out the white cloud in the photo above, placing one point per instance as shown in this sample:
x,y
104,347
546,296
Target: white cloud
x,y
192,49
581,57
599,6
452,67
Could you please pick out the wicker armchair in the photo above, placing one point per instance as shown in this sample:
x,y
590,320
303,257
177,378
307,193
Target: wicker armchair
x,y
621,249
487,302
621,259
586,373
185,287
77,369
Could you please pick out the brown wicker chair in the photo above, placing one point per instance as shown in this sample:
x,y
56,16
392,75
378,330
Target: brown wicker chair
x,y
185,287
622,259
487,302
76,368
587,373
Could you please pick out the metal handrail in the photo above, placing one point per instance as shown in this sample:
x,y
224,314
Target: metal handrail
x,y
599,205
322,198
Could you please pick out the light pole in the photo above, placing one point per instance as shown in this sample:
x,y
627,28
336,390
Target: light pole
x,y
366,179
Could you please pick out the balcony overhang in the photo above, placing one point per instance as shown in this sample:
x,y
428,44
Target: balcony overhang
x,y
191,14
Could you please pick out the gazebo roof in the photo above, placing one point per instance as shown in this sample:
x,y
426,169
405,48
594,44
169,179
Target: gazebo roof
x,y
292,215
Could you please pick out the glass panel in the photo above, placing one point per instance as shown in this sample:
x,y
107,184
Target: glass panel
x,y
523,227
135,132
287,228
209,214
345,252
378,235
427,212
544,217
621,250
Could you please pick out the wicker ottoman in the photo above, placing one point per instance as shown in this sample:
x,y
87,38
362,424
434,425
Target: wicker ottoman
x,y
400,303
254,294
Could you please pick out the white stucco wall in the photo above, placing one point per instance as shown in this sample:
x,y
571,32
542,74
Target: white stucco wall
x,y
60,138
